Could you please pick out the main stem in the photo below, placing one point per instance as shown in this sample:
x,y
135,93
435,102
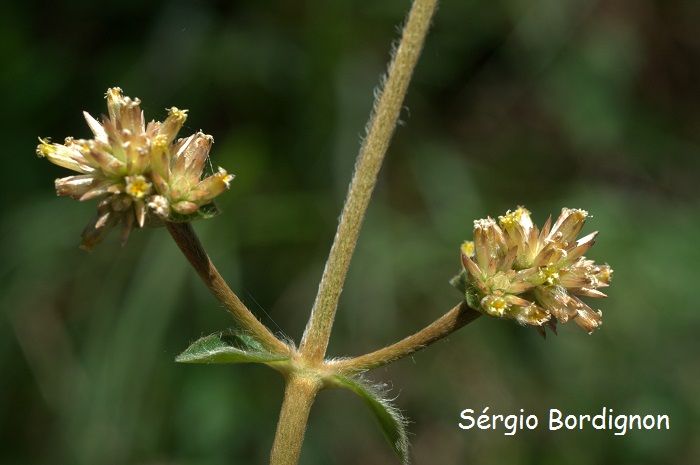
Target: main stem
x,y
189,244
381,127
299,394
300,391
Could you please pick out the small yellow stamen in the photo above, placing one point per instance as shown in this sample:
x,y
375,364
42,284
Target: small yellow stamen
x,y
499,304
45,148
494,305
550,275
113,93
467,248
605,274
179,115
577,213
225,177
160,142
511,218
137,186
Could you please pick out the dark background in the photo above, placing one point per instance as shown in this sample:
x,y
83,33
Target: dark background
x,y
546,103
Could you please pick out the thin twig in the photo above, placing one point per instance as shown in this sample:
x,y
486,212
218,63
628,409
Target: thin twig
x,y
461,315
381,127
189,244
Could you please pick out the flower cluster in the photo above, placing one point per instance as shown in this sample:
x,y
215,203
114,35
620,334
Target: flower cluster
x,y
514,270
140,173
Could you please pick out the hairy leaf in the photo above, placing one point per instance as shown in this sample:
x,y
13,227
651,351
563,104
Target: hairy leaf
x,y
229,347
460,281
390,419
472,297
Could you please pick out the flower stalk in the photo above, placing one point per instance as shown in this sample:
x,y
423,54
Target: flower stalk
x,y
460,316
191,247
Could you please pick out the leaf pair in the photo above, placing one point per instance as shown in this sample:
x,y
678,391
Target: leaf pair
x,y
235,346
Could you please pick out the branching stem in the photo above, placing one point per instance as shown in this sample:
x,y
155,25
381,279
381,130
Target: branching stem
x,y
461,315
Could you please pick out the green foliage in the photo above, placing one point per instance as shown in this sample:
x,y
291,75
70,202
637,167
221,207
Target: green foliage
x,y
465,287
391,421
460,281
472,297
232,346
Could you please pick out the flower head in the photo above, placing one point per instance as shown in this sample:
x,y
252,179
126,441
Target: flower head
x,y
514,270
138,171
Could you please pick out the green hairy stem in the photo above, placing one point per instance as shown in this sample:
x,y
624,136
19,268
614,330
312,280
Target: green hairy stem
x,y
291,427
381,127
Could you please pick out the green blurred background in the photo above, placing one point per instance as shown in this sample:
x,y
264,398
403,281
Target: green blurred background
x,y
542,103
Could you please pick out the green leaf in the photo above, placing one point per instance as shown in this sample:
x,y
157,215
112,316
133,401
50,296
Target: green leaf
x,y
233,346
470,293
460,281
473,299
390,419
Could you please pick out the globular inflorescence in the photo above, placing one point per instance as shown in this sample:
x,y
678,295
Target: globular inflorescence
x,y
139,172
535,277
